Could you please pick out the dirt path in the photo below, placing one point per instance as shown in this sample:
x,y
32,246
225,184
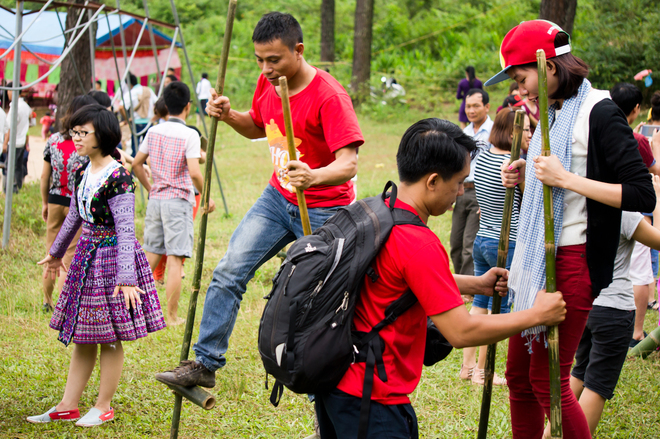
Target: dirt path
x,y
36,159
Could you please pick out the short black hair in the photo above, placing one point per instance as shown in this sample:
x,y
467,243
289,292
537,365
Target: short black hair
x,y
172,78
132,79
655,106
160,109
484,94
177,96
99,82
76,104
276,25
106,126
101,97
205,75
626,96
433,146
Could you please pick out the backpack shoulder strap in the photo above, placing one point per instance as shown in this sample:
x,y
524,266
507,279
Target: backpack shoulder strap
x,y
404,216
374,355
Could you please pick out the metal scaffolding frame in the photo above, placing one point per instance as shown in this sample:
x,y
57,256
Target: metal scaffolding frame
x,y
92,11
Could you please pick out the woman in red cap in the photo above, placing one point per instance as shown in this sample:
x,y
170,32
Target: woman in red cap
x,y
596,172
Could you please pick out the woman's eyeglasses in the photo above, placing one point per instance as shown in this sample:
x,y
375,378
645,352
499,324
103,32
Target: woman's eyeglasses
x,y
82,134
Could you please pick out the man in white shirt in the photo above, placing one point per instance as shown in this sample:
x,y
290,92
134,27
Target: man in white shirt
x,y
142,99
203,93
465,218
24,112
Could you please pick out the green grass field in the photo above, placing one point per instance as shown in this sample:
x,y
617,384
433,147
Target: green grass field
x,y
33,364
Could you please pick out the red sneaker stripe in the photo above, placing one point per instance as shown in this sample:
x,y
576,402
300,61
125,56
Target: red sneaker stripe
x,y
107,416
71,414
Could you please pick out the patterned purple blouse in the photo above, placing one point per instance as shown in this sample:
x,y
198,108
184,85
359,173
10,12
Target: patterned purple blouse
x,y
112,206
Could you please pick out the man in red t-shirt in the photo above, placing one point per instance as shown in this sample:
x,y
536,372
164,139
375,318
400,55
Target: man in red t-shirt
x,y
327,136
433,160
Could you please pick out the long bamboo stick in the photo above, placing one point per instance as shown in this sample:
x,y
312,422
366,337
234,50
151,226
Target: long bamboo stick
x,y
645,347
502,255
206,194
288,126
550,269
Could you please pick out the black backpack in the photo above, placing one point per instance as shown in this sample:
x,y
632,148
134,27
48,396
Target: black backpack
x,y
306,339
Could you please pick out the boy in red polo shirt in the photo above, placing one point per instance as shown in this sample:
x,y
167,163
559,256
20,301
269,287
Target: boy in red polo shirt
x,y
433,160
327,136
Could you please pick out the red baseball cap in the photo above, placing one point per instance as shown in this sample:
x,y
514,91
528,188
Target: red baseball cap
x,y
521,43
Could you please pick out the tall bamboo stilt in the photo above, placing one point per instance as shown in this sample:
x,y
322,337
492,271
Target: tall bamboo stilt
x,y
288,127
201,239
550,270
502,255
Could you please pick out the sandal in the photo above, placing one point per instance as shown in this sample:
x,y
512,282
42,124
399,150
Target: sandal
x,y
466,374
479,377
652,305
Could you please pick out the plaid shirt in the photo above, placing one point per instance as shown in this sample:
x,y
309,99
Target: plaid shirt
x,y
169,145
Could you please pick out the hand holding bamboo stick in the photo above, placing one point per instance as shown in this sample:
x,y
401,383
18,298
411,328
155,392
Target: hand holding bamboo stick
x,y
502,254
288,126
550,269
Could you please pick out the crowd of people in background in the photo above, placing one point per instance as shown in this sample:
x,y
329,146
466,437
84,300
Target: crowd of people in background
x,y
606,271
597,338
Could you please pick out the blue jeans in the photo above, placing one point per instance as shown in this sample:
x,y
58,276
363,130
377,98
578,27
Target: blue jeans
x,y
654,262
139,127
270,224
485,258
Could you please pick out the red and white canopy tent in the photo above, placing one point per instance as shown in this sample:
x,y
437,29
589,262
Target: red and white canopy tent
x,y
43,43
39,44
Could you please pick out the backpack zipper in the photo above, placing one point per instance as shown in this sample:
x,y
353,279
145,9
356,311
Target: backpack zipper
x,y
311,301
288,278
277,307
342,307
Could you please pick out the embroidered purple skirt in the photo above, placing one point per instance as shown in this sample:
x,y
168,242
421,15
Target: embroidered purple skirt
x,y
86,312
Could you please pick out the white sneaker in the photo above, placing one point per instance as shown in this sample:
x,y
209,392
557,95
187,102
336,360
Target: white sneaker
x,y
54,415
96,417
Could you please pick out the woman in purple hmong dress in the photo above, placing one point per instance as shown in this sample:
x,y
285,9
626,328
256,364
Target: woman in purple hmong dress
x,y
108,261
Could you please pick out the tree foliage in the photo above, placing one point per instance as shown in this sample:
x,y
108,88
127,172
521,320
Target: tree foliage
x,y
424,44
618,38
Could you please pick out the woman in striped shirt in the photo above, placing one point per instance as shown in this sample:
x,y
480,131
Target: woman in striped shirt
x,y
490,195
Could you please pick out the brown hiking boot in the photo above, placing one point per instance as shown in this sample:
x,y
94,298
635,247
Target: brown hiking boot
x,y
187,374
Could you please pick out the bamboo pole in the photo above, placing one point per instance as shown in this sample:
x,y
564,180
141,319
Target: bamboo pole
x,y
502,255
550,269
646,346
194,394
201,240
288,126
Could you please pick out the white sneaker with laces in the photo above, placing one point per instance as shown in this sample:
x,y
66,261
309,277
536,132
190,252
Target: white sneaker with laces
x,y
96,417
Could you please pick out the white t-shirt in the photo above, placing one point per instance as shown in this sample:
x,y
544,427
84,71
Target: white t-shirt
x,y
3,119
204,89
619,294
134,99
24,112
574,227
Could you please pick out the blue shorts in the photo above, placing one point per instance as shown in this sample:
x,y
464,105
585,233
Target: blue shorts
x,y
485,258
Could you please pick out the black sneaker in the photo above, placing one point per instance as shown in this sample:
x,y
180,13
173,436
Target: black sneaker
x,y
189,373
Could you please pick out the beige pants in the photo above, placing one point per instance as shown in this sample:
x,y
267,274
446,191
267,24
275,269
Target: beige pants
x,y
56,215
